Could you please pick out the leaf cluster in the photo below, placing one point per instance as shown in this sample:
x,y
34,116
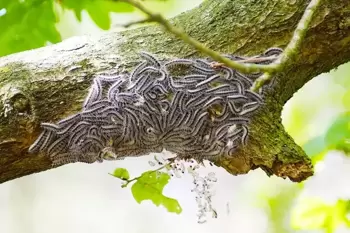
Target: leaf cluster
x,y
149,186
31,24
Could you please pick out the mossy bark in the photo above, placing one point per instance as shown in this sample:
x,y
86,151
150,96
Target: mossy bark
x,y
47,84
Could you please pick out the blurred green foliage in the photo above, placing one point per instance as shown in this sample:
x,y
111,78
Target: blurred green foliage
x,y
326,94
280,206
315,147
26,25
313,214
308,123
338,135
29,24
98,9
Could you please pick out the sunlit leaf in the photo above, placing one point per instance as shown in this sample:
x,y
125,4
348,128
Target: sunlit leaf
x,y
346,99
341,75
279,208
150,187
315,146
26,25
121,173
338,135
313,213
98,10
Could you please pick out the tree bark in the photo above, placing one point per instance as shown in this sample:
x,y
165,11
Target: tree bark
x,y
50,83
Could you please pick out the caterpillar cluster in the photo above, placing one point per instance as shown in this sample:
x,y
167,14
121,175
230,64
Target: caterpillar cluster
x,y
185,106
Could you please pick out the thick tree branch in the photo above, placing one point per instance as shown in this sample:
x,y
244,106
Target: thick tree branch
x,y
47,84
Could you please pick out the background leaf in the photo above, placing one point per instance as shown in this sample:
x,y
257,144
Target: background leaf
x,y
26,25
338,135
313,213
315,146
98,10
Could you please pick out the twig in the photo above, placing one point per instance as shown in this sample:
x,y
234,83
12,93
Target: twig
x,y
127,182
288,54
293,47
259,82
299,34
248,60
141,21
244,68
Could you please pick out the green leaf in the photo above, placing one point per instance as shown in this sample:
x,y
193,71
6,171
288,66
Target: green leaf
x,y
338,135
27,25
121,173
315,146
98,10
150,187
279,207
312,213
341,75
346,99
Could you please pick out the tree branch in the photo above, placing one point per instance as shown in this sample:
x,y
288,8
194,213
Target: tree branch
x,y
48,84
270,69
245,68
293,47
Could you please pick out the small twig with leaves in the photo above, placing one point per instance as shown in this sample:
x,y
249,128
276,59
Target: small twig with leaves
x,y
290,51
128,181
